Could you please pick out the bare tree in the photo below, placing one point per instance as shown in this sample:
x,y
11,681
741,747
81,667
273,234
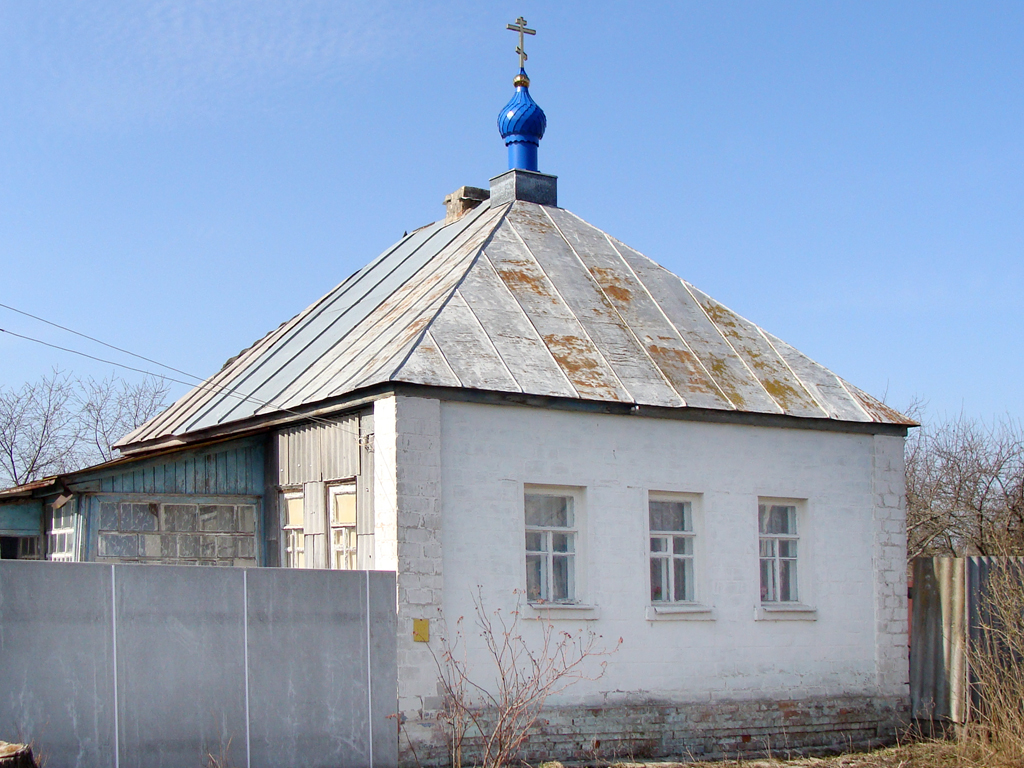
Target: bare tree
x,y
111,408
60,423
965,488
39,428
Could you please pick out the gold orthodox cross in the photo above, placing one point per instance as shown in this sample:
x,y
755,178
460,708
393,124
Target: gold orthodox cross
x,y
520,27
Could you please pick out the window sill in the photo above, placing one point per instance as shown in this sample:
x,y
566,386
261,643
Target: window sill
x,y
680,612
785,612
562,611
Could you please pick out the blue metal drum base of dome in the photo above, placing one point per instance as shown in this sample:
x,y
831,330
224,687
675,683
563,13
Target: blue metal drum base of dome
x,y
522,155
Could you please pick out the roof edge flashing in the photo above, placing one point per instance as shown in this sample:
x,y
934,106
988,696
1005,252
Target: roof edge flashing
x,y
527,186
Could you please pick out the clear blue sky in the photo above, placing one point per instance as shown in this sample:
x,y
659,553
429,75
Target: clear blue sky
x,y
178,178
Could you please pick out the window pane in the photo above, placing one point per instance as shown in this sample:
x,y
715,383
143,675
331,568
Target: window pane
x,y
777,519
343,508
669,515
534,541
561,578
767,547
682,545
787,548
293,511
683,574
659,544
787,580
549,511
561,542
659,578
768,591
535,578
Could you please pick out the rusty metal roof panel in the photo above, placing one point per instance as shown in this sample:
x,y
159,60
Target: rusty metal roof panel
x,y
637,373
565,337
509,330
876,409
771,371
731,376
468,349
827,388
527,299
426,365
640,313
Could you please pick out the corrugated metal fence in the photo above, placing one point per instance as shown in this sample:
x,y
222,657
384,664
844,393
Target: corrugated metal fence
x,y
948,603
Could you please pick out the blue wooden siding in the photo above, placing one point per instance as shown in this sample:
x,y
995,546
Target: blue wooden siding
x,y
23,518
230,469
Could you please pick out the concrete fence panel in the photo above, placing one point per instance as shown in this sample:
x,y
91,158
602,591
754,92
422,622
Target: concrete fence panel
x,y
128,665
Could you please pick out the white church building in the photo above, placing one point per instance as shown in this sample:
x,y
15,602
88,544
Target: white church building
x,y
512,404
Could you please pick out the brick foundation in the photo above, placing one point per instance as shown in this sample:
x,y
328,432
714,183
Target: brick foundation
x,y
703,730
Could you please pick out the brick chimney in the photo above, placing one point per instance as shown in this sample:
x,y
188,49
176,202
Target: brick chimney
x,y
462,201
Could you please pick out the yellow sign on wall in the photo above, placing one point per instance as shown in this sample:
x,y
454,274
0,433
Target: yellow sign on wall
x,y
421,630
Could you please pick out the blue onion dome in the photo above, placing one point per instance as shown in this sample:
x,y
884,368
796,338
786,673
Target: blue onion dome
x,y
522,120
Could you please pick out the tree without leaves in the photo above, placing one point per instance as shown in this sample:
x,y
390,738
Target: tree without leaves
x,y
965,488
39,429
60,423
111,408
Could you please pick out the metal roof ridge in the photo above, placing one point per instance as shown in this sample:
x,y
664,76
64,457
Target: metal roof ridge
x,y
498,221
429,231
315,389
194,406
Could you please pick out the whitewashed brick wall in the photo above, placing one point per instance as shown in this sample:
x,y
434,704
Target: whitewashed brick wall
x,y
407,521
890,555
851,546
468,464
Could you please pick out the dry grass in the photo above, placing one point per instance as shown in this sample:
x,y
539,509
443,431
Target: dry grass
x,y
922,754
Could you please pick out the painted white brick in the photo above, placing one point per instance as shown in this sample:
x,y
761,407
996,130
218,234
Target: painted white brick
x,y
449,488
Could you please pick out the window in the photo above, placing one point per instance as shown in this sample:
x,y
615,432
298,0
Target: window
x,y
60,540
550,546
19,548
292,527
671,556
343,527
777,527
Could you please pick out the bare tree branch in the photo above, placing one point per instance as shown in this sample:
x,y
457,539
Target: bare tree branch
x,y
60,423
965,488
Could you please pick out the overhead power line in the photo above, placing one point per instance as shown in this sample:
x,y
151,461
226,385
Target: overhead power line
x,y
105,344
215,388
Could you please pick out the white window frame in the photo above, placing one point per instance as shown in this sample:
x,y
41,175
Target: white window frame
x,y
668,556
698,608
780,552
349,547
548,541
799,606
293,538
62,539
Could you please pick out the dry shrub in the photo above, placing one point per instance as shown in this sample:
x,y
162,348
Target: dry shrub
x,y
493,711
996,657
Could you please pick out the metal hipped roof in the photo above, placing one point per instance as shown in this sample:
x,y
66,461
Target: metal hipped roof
x,y
527,299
